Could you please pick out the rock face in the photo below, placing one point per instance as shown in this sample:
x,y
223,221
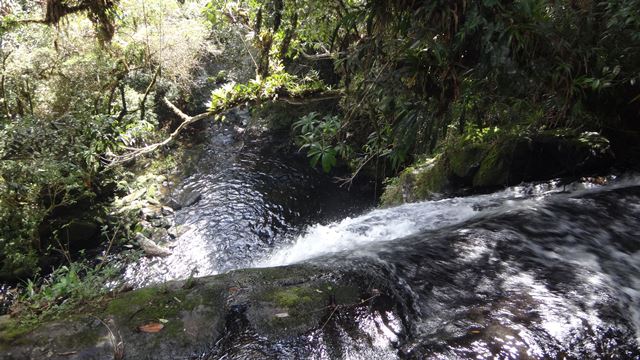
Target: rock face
x,y
506,161
207,318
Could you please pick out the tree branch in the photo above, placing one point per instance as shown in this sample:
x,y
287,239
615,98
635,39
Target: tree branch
x,y
187,120
306,100
146,93
323,56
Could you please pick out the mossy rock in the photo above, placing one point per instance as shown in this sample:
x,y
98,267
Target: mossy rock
x,y
495,166
276,304
464,160
503,161
300,308
424,180
433,181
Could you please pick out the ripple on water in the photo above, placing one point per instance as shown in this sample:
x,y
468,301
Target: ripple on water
x,y
254,196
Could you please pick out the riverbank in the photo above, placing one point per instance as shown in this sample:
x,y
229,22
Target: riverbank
x,y
493,158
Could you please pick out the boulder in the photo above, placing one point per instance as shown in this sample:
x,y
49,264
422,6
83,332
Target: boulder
x,y
211,318
150,248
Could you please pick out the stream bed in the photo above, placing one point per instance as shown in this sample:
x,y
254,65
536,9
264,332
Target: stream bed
x,y
536,271
275,261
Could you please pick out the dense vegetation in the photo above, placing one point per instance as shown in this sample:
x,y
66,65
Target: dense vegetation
x,y
415,72
72,96
82,82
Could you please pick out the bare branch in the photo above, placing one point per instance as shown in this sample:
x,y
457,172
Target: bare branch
x,y
187,120
323,56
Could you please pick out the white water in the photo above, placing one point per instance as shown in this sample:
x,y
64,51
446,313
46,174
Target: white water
x,y
397,222
592,265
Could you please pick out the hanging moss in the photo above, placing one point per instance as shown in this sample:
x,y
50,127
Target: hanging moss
x,y
100,12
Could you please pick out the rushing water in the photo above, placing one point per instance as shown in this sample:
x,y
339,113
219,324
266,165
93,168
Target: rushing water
x,y
536,271
530,272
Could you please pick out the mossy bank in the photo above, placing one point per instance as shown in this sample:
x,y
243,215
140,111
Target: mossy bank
x,y
493,158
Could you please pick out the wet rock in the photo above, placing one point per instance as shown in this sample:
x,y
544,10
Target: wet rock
x,y
150,248
150,213
158,235
173,204
186,199
162,222
167,211
189,198
214,317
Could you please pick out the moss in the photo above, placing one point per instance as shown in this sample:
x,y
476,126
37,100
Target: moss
x,y
494,168
306,297
132,301
304,307
392,194
294,298
432,180
419,182
11,330
465,158
173,305
301,299
152,304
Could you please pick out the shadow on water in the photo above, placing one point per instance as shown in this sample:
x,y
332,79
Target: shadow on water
x,y
549,277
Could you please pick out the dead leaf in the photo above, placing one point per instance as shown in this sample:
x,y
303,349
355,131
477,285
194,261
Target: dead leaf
x,y
151,327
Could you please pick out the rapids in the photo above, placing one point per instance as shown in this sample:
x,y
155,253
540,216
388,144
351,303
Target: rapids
x,y
544,270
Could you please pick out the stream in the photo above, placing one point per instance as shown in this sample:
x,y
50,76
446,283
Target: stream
x,y
253,195
536,271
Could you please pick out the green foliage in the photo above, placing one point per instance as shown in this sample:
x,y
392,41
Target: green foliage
x,y
270,88
318,136
65,288
8,23
69,101
414,71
